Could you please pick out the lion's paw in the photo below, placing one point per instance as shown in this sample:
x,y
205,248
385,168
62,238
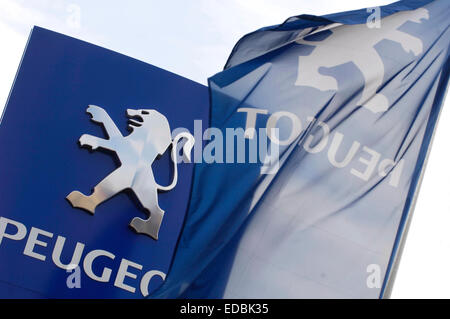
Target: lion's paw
x,y
97,113
413,45
378,103
88,140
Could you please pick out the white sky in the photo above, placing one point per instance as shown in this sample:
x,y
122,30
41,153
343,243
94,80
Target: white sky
x,y
193,39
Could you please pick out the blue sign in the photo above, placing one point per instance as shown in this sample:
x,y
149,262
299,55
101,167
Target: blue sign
x,y
77,118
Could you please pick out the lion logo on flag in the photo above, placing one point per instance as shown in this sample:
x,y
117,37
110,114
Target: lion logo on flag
x,y
355,43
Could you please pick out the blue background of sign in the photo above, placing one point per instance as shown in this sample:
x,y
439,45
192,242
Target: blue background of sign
x,y
41,163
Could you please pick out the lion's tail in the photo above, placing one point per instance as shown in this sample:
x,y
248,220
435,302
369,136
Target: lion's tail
x,y
187,147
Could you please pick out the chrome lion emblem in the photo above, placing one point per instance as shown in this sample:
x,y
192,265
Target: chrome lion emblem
x,y
150,137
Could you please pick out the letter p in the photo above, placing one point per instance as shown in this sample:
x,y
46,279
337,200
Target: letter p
x,y
20,233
